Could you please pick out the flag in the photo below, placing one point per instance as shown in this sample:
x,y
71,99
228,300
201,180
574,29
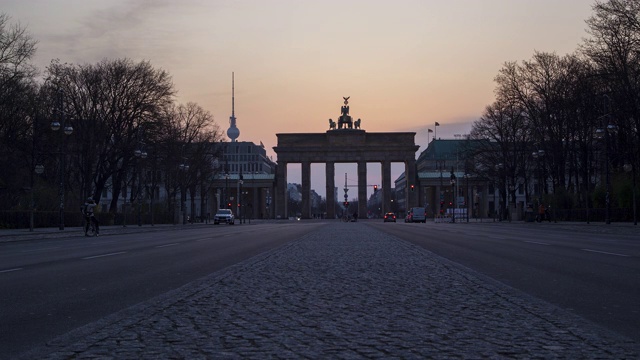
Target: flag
x,y
437,123
261,145
430,130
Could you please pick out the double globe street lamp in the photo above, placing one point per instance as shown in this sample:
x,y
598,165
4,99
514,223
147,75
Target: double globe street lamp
x,y
67,130
140,154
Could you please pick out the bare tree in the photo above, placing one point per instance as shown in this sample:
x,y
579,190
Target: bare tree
x,y
108,104
17,110
500,157
614,49
191,143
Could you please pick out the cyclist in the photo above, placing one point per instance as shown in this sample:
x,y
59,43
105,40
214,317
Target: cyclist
x,y
87,211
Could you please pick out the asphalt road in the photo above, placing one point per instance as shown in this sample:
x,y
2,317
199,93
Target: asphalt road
x,y
52,286
593,274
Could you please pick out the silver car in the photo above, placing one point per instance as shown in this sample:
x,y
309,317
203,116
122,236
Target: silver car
x,y
224,216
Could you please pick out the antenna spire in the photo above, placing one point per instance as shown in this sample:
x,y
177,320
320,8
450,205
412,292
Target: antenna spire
x,y
233,131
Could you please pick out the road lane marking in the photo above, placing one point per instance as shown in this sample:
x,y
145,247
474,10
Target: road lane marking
x,y
535,242
10,270
166,245
604,252
41,249
500,237
103,255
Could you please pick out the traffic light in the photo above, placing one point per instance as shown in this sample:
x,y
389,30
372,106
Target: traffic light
x,y
412,187
375,188
346,204
228,205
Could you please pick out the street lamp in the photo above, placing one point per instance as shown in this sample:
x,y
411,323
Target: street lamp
x,y
67,129
512,194
603,133
239,206
538,155
453,189
629,168
140,154
183,205
466,195
226,185
38,169
499,168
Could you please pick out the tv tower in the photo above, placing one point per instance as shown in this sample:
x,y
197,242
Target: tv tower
x,y
233,131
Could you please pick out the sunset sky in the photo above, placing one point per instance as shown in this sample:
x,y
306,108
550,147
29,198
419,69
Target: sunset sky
x,y
405,64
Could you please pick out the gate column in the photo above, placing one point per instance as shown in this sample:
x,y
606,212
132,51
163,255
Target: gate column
x,y
331,190
281,191
306,190
386,187
362,189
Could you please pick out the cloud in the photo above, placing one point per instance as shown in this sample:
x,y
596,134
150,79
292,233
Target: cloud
x,y
125,29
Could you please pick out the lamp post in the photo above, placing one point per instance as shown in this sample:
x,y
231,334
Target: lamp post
x,y
183,205
67,130
38,169
238,208
629,168
440,167
455,200
140,154
226,185
537,155
512,195
603,133
499,169
466,195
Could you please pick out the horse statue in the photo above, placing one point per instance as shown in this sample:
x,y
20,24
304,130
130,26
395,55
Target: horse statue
x,y
356,124
332,124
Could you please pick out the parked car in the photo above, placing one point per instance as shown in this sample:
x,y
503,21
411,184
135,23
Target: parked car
x,y
389,217
224,216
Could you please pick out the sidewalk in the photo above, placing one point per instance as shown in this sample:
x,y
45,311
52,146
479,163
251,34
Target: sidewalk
x,y
620,228
8,235
343,291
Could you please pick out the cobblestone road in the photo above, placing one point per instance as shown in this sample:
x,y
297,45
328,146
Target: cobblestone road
x,y
345,291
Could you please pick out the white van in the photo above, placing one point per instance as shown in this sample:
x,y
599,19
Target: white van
x,y
417,214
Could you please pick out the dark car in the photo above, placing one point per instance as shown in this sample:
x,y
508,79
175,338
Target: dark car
x,y
389,217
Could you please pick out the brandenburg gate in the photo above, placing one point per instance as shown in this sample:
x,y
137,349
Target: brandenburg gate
x,y
344,142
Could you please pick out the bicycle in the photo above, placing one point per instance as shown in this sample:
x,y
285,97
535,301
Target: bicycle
x,y
91,230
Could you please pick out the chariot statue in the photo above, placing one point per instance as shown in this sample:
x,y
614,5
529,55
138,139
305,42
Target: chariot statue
x,y
344,121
